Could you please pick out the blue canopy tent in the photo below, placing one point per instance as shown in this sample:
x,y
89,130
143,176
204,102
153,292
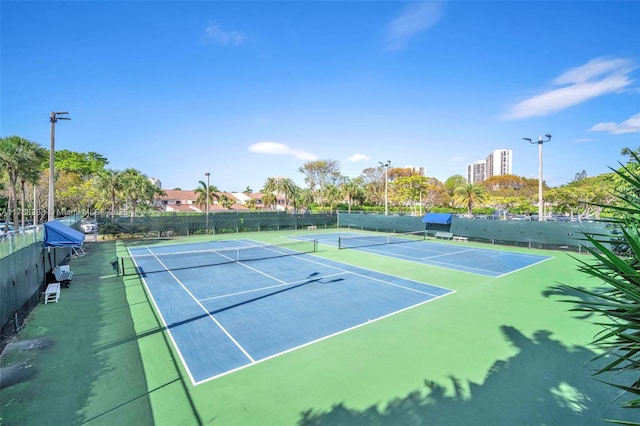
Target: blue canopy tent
x,y
57,234
437,221
437,218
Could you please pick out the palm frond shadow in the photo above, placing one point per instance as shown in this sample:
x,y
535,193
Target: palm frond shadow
x,y
538,385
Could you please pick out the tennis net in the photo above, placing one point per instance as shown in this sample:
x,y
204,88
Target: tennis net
x,y
162,262
356,241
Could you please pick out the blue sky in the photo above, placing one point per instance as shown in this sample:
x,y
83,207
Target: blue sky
x,y
252,90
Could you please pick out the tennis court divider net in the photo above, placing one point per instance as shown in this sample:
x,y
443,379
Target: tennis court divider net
x,y
356,241
162,262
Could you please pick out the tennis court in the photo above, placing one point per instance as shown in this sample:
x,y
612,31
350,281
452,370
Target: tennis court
x,y
230,304
415,247
503,350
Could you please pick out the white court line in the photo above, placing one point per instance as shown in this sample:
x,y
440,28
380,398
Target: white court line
x,y
284,284
341,272
208,379
235,342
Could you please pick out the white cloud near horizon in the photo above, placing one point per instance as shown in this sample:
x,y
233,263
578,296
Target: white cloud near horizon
x,y
217,35
631,125
275,148
414,19
585,140
358,157
597,77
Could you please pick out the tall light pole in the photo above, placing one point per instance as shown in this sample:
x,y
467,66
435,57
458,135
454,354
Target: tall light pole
x,y
207,174
52,149
539,142
386,185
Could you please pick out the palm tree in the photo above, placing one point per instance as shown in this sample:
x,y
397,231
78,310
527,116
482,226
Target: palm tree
x,y
30,176
352,190
281,186
202,192
226,201
332,195
469,195
20,158
269,200
137,189
288,189
109,185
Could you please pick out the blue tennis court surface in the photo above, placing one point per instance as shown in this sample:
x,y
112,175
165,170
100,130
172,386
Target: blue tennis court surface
x,y
459,257
232,315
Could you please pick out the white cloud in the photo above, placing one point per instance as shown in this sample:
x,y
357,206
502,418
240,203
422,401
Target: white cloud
x,y
632,125
215,34
598,77
415,19
275,148
358,157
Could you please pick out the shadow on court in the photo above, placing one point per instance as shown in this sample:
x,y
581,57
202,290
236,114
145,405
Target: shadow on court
x,y
537,386
159,329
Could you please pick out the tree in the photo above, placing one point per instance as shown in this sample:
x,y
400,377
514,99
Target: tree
x,y
226,201
320,174
469,195
352,190
288,189
304,198
453,182
436,194
19,158
510,186
269,200
201,190
409,190
585,197
332,196
137,189
373,183
109,185
281,186
618,299
581,175
84,164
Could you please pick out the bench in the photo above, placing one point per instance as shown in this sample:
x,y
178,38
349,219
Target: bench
x,y
460,238
52,293
63,274
312,228
445,235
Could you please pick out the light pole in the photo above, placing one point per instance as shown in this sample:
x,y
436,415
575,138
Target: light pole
x,y
386,185
54,118
207,174
539,142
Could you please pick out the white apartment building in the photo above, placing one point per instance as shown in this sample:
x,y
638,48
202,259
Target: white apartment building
x,y
498,163
476,172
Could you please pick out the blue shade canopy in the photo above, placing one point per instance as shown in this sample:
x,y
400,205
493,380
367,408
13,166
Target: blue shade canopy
x,y
437,218
57,234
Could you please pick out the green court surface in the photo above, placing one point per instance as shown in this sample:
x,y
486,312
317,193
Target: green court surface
x,y
498,351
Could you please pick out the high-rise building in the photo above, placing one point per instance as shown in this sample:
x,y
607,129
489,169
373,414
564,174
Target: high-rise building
x,y
476,172
498,163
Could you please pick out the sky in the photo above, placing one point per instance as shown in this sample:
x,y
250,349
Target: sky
x,y
251,90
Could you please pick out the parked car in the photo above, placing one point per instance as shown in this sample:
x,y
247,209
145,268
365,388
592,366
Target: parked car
x,y
8,227
88,226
